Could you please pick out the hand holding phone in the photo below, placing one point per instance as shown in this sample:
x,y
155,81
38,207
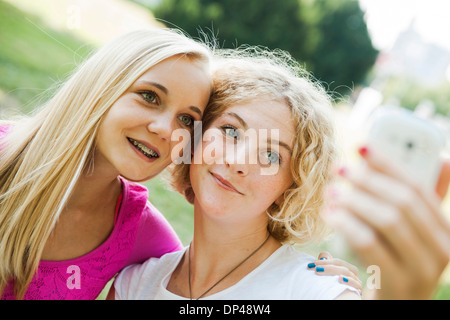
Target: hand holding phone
x,y
385,218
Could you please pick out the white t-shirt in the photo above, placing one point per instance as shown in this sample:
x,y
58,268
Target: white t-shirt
x,y
282,276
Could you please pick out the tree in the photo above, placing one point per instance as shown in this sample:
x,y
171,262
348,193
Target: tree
x,y
342,52
329,36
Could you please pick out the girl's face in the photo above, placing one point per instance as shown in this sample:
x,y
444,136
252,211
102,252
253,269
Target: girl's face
x,y
233,184
135,136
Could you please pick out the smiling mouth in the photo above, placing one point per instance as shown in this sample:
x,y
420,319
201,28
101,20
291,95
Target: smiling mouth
x,y
146,151
225,183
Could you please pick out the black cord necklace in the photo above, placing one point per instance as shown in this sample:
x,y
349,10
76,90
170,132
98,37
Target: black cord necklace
x,y
215,284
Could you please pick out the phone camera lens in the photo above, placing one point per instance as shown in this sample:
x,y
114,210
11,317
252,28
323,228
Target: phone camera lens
x,y
410,145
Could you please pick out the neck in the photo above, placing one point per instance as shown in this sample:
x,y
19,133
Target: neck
x,y
97,182
217,239
219,246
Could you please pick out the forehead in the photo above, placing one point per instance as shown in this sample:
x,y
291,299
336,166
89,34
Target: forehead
x,y
266,114
179,70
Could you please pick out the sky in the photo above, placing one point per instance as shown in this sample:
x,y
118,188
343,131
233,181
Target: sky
x,y
387,18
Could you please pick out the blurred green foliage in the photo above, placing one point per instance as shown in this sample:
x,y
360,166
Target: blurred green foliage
x,y
330,37
409,94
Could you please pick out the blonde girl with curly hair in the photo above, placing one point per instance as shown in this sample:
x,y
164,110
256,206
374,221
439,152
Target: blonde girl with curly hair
x,y
249,214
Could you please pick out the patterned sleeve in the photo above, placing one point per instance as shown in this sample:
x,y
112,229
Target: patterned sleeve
x,y
154,237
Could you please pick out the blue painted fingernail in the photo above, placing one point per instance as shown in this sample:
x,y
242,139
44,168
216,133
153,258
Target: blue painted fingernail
x,y
345,279
323,258
320,269
311,265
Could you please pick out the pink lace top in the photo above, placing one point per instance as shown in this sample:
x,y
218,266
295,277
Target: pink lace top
x,y
140,232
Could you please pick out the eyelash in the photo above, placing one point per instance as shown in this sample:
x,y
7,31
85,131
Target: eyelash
x,y
191,118
227,126
224,130
150,92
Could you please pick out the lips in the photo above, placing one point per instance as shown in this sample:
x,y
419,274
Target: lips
x,y
222,182
144,148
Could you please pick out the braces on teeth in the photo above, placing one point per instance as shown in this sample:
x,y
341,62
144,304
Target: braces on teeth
x,y
148,152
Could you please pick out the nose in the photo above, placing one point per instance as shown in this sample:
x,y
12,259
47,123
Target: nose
x,y
162,125
236,159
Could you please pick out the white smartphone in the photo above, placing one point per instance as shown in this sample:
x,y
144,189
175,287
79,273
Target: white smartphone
x,y
412,142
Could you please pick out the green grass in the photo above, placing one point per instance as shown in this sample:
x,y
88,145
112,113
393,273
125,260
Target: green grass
x,y
32,56
173,206
443,292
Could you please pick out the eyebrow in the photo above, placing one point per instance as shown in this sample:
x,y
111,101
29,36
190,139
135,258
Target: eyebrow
x,y
196,110
241,121
281,143
244,124
155,84
166,92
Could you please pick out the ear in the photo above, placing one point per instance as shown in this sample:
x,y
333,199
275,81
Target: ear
x,y
279,200
282,197
189,195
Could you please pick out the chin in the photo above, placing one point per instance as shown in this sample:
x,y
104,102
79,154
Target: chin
x,y
140,172
213,205
137,177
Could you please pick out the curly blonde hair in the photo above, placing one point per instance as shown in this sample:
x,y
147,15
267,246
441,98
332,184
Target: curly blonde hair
x,y
244,74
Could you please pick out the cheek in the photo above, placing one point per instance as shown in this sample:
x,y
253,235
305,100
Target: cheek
x,y
213,147
270,188
194,175
113,120
126,111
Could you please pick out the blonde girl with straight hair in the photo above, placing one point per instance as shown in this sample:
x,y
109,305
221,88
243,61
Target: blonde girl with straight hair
x,y
70,215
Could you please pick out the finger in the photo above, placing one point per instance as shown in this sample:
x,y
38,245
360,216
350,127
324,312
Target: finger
x,y
444,180
345,275
410,235
396,197
337,262
382,164
355,283
386,220
324,255
361,238
333,270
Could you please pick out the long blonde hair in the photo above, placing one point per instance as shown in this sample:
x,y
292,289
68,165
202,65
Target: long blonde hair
x,y
244,74
43,155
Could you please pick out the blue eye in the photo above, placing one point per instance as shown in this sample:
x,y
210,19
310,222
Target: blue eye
x,y
273,157
231,131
